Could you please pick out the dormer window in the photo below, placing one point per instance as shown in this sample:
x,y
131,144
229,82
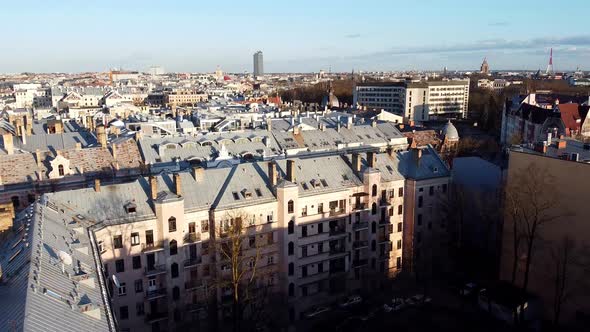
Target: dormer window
x,y
246,193
130,208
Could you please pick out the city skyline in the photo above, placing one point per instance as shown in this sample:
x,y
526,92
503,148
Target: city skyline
x,y
302,37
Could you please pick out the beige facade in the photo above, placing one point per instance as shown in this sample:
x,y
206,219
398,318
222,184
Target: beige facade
x,y
185,97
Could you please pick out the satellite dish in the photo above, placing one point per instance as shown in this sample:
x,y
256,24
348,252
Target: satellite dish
x,y
65,258
116,281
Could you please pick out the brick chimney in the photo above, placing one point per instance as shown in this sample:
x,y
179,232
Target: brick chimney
x,y
114,150
272,173
356,162
371,159
561,144
417,153
38,157
291,170
177,184
78,146
8,143
101,135
97,185
198,173
153,187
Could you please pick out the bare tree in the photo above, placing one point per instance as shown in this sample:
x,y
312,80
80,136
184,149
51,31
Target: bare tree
x,y
242,269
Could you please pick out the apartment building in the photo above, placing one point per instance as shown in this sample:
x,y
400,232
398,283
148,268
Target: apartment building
x,y
180,97
317,228
32,96
416,101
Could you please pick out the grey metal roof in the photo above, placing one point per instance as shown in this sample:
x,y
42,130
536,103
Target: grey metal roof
x,y
47,142
51,281
428,166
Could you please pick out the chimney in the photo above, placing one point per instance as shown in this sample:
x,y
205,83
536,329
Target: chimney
x,y
401,126
38,157
291,170
97,185
137,136
269,124
371,159
153,187
561,144
90,122
114,150
272,173
266,141
390,152
374,123
23,134
78,146
101,135
177,184
8,144
198,173
417,156
356,162
338,126
412,123
28,127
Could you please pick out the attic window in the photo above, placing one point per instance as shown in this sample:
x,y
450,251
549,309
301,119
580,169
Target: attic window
x,y
324,183
130,208
435,170
236,196
258,192
344,177
389,168
246,193
315,183
304,185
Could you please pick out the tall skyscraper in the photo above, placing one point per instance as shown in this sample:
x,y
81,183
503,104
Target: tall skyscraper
x,y
258,64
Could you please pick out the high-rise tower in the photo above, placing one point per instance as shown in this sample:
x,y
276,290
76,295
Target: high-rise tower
x,y
550,65
258,64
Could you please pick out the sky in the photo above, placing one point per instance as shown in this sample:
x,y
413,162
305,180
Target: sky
x,y
295,35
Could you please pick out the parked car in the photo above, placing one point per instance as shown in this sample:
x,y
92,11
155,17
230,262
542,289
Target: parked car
x,y
350,301
316,312
398,303
387,308
418,299
469,289
370,314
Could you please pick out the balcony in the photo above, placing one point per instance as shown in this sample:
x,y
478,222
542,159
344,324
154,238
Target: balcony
x,y
192,262
155,294
360,225
337,230
360,244
193,285
360,206
335,212
359,262
155,317
152,246
311,278
154,270
192,237
383,238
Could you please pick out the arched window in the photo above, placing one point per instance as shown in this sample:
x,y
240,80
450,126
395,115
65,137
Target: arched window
x,y
373,245
291,289
373,227
374,208
291,248
291,227
175,293
60,170
374,190
174,270
290,206
173,248
172,224
291,269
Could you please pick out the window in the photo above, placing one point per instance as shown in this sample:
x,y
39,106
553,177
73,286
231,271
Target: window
x,y
172,224
204,226
139,309
444,188
419,237
138,285
174,270
291,289
291,269
236,195
304,231
320,207
192,228
60,170
120,265
175,293
258,192
304,271
291,227
304,251
290,206
420,201
399,226
136,262
373,245
123,312
270,260
122,289
399,244
374,190
429,225
419,220
320,247
304,211
252,241
431,190
149,237
320,228
291,248
118,241
304,291
374,208
173,247
398,262
373,227
400,209
270,238
320,267
135,238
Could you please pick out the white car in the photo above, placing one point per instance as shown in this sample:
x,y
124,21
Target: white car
x,y
350,301
317,311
